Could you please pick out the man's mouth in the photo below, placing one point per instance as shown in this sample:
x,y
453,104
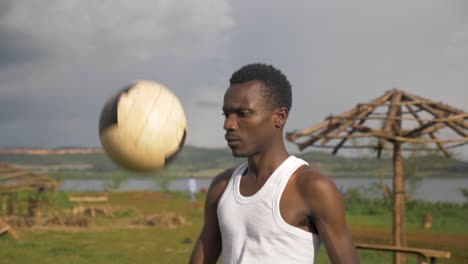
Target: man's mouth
x,y
232,140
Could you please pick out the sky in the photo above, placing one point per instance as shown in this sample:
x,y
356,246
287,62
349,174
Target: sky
x,y
60,60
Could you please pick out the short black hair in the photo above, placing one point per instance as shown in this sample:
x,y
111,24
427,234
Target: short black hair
x,y
277,88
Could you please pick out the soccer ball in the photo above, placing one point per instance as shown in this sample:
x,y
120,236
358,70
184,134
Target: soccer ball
x,y
142,127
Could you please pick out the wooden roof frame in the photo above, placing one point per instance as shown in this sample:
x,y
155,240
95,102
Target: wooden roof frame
x,y
391,135
15,179
402,106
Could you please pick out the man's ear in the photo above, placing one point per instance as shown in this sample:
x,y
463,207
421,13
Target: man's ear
x,y
280,117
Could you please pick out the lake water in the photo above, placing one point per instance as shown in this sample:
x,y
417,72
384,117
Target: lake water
x,y
431,189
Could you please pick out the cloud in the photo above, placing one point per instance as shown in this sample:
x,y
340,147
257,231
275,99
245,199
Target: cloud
x,y
114,40
209,104
98,46
15,47
458,47
45,108
146,30
62,60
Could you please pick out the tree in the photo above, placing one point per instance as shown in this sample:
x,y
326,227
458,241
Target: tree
x,y
164,178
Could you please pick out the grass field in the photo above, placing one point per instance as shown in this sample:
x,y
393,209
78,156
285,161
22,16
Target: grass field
x,y
116,236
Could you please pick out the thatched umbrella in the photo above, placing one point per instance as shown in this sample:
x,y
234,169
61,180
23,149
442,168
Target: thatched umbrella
x,y
15,180
406,118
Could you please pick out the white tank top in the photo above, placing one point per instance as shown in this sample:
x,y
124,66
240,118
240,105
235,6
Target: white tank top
x,y
252,229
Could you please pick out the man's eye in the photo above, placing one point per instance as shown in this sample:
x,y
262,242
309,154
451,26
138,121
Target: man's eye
x,y
244,113
225,115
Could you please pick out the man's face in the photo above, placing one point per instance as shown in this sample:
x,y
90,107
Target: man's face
x,y
248,120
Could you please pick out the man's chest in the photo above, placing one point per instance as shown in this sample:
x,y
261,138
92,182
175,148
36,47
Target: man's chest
x,y
294,210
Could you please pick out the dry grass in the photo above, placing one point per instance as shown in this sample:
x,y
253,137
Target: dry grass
x,y
166,219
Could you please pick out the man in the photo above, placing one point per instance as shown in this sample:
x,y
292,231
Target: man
x,y
192,187
274,208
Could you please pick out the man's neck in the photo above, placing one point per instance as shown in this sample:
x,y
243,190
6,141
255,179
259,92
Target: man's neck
x,y
262,165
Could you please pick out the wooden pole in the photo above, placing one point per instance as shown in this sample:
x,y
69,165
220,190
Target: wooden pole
x,y
388,122
398,201
399,210
4,227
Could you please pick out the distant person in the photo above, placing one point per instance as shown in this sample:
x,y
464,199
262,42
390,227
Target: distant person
x,y
342,191
274,208
192,188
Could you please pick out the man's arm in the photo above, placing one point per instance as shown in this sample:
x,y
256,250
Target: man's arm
x,y
327,210
208,246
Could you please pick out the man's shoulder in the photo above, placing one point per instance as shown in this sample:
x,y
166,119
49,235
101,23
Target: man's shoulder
x,y
307,173
311,181
219,183
223,177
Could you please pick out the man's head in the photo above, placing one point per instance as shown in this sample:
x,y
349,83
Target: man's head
x,y
276,87
256,106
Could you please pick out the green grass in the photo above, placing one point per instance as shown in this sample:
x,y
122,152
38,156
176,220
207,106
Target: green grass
x,y
446,217
111,238
122,246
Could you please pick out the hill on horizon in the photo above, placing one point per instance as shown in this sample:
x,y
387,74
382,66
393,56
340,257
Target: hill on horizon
x,y
208,162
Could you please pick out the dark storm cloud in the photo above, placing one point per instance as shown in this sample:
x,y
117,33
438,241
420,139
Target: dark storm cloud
x,y
73,55
17,48
42,108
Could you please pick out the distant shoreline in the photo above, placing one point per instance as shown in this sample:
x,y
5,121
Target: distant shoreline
x,y
44,151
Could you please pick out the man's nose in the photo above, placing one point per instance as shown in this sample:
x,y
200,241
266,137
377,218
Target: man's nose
x,y
230,123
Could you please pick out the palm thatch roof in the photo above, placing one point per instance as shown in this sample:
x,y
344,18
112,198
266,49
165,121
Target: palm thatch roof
x,y
15,179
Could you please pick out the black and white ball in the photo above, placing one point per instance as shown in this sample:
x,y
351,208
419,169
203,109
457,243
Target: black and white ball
x,y
142,127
